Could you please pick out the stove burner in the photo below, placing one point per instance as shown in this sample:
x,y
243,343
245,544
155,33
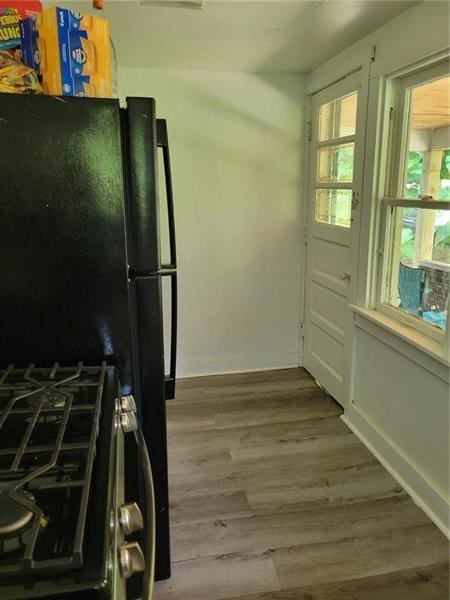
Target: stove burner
x,y
13,516
49,397
49,423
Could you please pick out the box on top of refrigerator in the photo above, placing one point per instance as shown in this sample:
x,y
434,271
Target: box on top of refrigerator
x,y
70,51
11,11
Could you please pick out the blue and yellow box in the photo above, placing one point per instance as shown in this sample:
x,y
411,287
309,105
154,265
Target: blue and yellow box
x,y
70,52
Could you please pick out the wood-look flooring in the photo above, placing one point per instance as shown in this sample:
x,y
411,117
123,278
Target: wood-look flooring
x,y
274,498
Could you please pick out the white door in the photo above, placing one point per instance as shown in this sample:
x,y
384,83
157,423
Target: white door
x,y
331,238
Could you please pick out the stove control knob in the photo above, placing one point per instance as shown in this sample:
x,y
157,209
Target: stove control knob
x,y
130,518
128,421
131,559
127,403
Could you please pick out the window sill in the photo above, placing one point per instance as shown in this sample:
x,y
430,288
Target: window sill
x,y
418,340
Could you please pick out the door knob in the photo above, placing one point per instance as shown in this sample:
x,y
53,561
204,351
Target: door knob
x,y
131,559
345,276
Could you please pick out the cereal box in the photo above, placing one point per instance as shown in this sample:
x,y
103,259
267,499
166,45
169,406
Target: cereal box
x,y
11,11
69,51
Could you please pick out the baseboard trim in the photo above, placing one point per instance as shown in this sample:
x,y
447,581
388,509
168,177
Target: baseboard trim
x,y
424,494
236,364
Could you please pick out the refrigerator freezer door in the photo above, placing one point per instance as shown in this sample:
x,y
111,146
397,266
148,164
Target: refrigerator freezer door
x,y
149,350
64,289
143,228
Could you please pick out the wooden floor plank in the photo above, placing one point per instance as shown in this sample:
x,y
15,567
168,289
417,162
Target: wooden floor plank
x,y
254,436
424,583
252,408
285,530
271,407
273,498
370,482
199,466
190,509
279,377
252,475
212,577
371,554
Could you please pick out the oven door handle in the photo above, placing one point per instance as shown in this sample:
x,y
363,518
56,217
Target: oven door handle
x,y
149,550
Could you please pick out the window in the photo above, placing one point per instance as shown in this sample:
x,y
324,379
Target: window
x,y
415,264
334,153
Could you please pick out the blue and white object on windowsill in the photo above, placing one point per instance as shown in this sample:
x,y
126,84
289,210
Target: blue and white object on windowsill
x,y
437,318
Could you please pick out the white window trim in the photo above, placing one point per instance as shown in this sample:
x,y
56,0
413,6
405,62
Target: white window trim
x,y
399,89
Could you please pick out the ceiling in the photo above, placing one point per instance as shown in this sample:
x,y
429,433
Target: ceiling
x,y
240,35
430,107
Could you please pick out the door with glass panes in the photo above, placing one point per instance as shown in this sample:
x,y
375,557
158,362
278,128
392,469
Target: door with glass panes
x,y
331,235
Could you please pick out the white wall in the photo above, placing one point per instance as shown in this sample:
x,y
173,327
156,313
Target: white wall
x,y
398,400
235,143
399,406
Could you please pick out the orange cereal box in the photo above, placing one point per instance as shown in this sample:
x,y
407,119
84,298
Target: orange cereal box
x,y
70,52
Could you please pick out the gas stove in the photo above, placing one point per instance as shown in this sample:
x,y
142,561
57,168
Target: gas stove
x,y
63,515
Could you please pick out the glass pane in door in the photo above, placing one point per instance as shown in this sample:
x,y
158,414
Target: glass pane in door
x,y
333,207
338,118
335,164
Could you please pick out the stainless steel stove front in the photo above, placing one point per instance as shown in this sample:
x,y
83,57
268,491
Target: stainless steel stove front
x,y
127,557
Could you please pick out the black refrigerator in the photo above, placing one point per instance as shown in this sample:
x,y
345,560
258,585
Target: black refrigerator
x,y
81,273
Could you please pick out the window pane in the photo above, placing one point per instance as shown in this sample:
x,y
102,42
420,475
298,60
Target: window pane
x,y
338,118
428,159
333,207
414,175
419,277
335,164
444,178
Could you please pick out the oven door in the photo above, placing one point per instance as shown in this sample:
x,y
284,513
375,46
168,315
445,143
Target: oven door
x,y
127,556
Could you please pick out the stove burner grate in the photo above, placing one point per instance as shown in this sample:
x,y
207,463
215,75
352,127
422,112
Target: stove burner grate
x,y
49,422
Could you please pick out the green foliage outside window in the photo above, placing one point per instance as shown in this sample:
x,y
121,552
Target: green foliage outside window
x,y
444,189
414,175
445,165
413,190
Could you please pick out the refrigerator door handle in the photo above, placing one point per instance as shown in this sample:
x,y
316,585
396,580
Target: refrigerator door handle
x,y
163,143
169,270
170,378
